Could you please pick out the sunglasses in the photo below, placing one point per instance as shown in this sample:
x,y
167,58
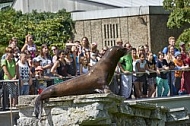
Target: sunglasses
x,y
11,52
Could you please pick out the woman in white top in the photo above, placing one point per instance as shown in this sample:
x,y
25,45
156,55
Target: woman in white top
x,y
29,46
139,78
94,54
46,62
84,64
54,51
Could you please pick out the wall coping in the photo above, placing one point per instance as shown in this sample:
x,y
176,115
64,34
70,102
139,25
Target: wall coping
x,y
119,12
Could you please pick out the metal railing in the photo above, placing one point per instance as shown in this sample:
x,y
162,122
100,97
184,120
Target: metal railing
x,y
56,80
5,96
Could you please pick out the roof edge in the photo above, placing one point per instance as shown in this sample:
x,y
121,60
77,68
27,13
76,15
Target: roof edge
x,y
118,12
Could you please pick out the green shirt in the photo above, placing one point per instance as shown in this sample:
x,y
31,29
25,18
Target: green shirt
x,y
127,62
11,67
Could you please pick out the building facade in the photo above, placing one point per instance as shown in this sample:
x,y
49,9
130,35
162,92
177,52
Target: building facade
x,y
138,25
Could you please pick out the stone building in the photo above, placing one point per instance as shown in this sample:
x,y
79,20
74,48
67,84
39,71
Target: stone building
x,y
137,25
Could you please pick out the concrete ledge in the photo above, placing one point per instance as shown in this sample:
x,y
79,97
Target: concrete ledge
x,y
98,109
9,118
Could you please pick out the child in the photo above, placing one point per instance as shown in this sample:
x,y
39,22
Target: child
x,y
161,79
24,74
39,73
178,74
152,77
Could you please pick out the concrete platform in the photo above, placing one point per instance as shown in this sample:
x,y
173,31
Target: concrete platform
x,y
9,118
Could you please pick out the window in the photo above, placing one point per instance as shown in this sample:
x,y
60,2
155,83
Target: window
x,y
111,32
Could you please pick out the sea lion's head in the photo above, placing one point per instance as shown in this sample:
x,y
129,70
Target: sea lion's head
x,y
116,51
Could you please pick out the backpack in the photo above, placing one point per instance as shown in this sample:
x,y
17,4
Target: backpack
x,y
1,74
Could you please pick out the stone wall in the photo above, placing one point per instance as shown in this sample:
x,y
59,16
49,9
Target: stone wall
x,y
98,109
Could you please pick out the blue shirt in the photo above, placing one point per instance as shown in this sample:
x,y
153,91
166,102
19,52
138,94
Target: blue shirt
x,y
165,50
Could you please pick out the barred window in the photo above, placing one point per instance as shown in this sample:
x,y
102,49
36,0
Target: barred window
x,y
111,32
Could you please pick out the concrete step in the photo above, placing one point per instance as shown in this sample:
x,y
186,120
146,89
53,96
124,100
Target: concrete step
x,y
177,117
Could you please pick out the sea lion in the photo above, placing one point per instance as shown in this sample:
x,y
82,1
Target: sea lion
x,y
98,77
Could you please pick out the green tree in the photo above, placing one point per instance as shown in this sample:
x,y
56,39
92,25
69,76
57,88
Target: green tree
x,y
50,28
180,16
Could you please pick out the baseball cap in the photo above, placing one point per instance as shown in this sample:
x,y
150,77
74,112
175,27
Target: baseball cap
x,y
38,68
177,53
37,59
181,43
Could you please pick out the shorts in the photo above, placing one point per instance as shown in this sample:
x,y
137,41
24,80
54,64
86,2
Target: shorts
x,y
139,78
151,81
12,89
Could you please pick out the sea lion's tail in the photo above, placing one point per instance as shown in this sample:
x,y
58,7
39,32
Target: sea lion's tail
x,y
38,107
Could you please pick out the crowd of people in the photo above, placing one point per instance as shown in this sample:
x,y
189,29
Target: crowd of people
x,y
140,72
145,74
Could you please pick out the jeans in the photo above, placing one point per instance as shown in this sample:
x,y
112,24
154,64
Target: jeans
x,y
126,85
162,87
25,90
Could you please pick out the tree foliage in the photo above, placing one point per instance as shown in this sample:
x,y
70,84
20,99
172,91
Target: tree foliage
x,y
46,27
180,16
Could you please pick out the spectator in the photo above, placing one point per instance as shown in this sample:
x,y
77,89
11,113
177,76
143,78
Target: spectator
x,y
10,73
134,54
29,46
94,54
139,78
102,52
146,49
70,63
84,64
54,51
60,68
85,48
170,56
36,67
24,74
152,76
75,54
185,81
183,50
126,67
36,73
178,74
161,79
141,50
119,42
46,63
13,44
171,41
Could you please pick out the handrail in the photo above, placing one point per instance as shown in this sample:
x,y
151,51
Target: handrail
x,y
9,80
147,72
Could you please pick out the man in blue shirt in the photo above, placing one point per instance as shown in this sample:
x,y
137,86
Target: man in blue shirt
x,y
171,41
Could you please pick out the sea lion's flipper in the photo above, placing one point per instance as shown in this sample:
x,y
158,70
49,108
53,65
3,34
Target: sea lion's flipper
x,y
38,107
98,91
